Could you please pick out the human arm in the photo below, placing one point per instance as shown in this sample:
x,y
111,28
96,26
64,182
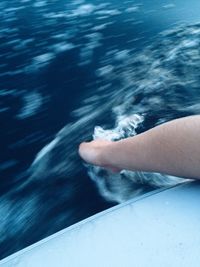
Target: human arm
x,y
171,148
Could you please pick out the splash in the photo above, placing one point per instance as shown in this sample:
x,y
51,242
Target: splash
x,y
125,127
125,185
137,92
159,84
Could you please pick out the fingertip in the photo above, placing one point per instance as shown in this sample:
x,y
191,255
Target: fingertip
x,y
81,148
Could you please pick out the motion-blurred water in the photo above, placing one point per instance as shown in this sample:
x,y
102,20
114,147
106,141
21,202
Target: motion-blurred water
x,y
66,67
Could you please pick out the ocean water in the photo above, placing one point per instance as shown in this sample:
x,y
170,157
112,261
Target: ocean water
x,y
77,70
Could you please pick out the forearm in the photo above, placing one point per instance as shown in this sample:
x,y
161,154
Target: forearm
x,y
172,148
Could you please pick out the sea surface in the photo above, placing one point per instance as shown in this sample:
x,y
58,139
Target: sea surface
x,y
75,70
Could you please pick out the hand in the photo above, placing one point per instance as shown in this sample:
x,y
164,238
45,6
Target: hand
x,y
97,153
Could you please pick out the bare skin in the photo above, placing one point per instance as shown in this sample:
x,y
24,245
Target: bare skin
x,y
171,148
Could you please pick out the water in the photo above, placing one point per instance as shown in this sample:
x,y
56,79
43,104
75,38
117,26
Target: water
x,y
67,67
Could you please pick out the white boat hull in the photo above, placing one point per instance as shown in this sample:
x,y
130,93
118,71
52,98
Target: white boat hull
x,y
159,229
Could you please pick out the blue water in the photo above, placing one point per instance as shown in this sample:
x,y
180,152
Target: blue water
x,y
67,66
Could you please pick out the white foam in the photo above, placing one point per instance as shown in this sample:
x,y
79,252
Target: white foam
x,y
101,26
44,58
32,103
132,9
87,51
84,10
45,150
169,6
120,187
124,126
39,62
40,3
62,47
111,12
122,55
144,84
106,70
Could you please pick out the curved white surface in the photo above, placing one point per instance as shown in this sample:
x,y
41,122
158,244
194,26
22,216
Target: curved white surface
x,y
160,229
